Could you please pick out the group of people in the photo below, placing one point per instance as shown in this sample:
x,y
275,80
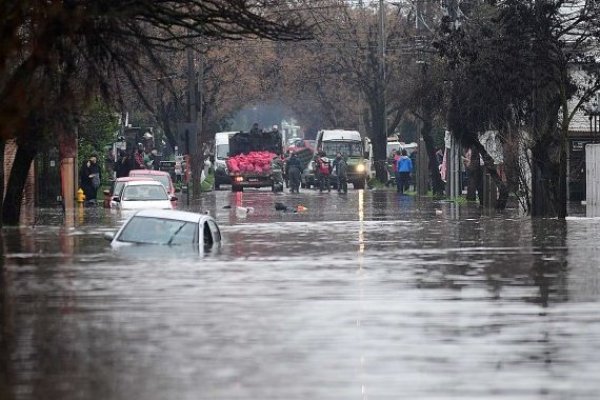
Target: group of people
x,y
140,159
90,173
90,177
325,171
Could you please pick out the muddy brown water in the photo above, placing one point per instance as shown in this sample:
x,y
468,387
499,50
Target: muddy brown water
x,y
362,296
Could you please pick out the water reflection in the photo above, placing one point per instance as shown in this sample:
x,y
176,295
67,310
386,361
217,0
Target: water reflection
x,y
365,295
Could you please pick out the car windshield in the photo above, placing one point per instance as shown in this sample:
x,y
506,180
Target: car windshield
x,y
144,193
150,230
392,148
164,179
222,150
348,149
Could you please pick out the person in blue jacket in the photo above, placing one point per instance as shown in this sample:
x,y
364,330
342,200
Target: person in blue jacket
x,y
404,167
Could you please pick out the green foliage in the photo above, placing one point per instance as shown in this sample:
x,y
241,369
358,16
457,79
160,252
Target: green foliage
x,y
97,131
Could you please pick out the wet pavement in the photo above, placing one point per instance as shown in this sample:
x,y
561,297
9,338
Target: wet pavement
x,y
362,296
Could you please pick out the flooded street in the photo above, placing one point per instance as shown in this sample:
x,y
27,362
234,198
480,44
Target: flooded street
x,y
362,296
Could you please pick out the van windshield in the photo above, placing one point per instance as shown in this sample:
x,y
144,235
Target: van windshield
x,y
392,148
348,149
222,150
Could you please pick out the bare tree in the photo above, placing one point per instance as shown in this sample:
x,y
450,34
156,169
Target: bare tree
x,y
55,56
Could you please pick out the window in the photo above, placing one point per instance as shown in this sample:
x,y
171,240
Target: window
x,y
348,149
208,238
144,193
215,230
222,151
164,179
149,230
118,188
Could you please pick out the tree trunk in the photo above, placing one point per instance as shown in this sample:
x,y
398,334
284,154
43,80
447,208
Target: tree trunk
x,y
437,185
7,335
548,181
488,161
379,143
11,210
474,175
2,147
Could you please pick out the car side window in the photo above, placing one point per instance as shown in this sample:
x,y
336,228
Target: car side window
x,y
208,238
215,231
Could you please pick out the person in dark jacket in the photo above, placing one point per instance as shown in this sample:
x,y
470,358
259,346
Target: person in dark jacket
x,y
294,172
89,176
124,164
404,169
341,171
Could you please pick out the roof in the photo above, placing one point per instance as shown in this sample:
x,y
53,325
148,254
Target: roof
x,y
173,214
228,133
144,182
139,172
132,178
340,134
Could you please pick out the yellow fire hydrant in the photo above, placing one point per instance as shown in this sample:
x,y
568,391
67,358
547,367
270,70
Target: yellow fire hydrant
x,y
80,196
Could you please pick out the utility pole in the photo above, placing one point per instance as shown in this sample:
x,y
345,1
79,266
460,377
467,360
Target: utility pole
x,y
422,156
382,66
194,155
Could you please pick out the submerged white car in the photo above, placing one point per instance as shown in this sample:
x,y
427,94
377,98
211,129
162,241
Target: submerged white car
x,y
168,228
144,194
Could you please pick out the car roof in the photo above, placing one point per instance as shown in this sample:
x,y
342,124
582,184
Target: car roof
x,y
339,134
173,214
133,178
138,172
144,182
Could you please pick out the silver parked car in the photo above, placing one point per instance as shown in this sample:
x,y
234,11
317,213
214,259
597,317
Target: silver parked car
x,y
168,228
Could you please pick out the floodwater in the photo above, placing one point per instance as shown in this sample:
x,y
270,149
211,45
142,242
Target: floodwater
x,y
362,296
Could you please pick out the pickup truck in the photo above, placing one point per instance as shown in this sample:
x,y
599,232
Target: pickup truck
x,y
255,160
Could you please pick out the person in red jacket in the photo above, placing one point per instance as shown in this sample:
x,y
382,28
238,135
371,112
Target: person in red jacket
x,y
138,157
323,170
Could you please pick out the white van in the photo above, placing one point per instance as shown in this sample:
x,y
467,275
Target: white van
x,y
221,155
350,144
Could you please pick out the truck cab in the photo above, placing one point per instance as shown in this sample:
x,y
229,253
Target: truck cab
x,y
350,144
221,155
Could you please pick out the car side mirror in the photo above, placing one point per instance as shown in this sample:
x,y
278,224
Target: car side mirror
x,y
173,198
109,236
116,199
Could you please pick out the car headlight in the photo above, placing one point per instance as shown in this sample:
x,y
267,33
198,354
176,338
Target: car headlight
x,y
360,168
